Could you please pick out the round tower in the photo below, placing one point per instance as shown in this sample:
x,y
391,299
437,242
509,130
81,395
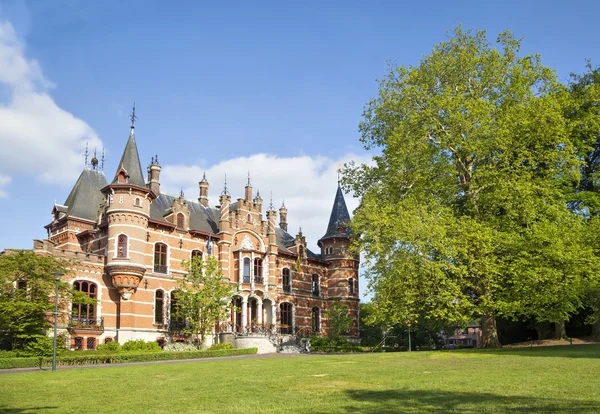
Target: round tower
x,y
127,213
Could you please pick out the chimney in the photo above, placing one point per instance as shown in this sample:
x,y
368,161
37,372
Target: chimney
x,y
283,217
203,199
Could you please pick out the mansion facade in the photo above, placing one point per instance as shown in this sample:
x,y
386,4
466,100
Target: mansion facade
x,y
127,242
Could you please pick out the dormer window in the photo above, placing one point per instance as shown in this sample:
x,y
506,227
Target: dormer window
x,y
121,177
180,221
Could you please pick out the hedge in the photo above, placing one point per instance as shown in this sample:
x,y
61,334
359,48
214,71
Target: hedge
x,y
74,358
342,348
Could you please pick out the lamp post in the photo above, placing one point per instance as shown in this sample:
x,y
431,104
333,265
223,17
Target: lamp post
x,y
57,276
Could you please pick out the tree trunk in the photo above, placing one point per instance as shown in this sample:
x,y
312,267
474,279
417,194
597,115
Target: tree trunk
x,y
542,330
596,330
489,334
560,330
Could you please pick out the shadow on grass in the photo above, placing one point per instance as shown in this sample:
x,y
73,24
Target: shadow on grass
x,y
8,410
559,351
420,401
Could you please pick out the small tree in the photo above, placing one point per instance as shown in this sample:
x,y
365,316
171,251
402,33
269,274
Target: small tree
x,y
202,296
338,321
26,284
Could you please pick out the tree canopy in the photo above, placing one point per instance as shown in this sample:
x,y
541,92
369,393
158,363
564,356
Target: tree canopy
x,y
464,212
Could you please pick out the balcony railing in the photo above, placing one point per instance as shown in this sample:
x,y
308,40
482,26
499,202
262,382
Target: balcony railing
x,y
258,280
315,292
287,288
161,268
246,279
81,322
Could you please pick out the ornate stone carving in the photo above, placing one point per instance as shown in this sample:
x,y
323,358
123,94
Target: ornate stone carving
x,y
246,243
126,279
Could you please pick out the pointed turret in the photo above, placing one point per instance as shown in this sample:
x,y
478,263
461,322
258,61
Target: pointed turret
x,y
129,170
338,221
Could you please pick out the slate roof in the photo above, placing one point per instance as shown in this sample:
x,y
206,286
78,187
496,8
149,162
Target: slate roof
x,y
85,197
204,219
339,216
130,162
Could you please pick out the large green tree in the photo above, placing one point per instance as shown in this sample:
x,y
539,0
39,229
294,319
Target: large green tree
x,y
27,290
474,158
202,296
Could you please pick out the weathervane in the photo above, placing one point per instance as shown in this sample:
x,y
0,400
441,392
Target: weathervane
x,y
133,117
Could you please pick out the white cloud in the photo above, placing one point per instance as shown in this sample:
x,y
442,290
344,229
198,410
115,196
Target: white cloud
x,y
4,181
307,184
36,135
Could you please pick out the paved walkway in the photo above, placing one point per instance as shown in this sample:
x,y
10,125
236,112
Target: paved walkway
x,y
173,361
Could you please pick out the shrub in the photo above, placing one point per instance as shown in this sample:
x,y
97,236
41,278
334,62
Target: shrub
x,y
217,347
140,345
180,347
93,358
112,346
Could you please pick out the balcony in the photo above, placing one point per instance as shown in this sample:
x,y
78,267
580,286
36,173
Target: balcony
x,y
258,280
161,269
86,324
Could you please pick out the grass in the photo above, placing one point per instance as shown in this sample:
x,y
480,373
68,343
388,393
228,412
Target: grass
x,y
544,380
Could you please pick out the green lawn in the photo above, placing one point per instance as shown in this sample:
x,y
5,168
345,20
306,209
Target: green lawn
x,y
550,379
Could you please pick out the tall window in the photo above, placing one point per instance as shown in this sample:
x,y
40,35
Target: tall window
x,y
286,280
122,246
315,285
159,307
246,270
177,322
180,221
196,259
316,319
160,258
85,313
286,318
350,287
138,202
258,270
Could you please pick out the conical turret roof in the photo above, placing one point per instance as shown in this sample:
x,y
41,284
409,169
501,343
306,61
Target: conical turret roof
x,y
338,221
130,162
85,198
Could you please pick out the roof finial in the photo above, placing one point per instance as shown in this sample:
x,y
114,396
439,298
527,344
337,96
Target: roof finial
x,y
249,183
271,208
283,203
204,177
102,161
94,160
300,230
156,159
257,193
86,155
181,193
225,192
133,117
338,172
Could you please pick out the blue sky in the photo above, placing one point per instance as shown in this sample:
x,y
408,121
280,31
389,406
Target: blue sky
x,y
276,88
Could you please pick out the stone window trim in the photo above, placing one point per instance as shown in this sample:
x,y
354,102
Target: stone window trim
x,y
159,307
286,280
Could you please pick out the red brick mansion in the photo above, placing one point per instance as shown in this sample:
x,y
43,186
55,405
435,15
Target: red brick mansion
x,y
128,241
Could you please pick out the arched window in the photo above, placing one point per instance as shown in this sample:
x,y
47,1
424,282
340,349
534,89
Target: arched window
x,y
177,322
122,246
159,307
83,312
316,319
196,259
286,280
180,221
350,287
315,285
138,202
258,270
160,258
249,218
246,273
